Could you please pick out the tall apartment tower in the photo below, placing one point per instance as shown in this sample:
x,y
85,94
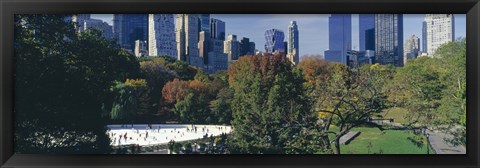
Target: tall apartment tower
x,y
293,43
366,23
130,27
424,37
161,35
187,34
232,48
274,41
389,39
411,48
440,30
217,29
339,37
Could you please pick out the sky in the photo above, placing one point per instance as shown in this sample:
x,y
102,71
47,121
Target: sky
x,y
313,28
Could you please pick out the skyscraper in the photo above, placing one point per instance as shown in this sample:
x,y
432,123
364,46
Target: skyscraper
x,y
274,41
130,27
187,33
411,48
424,36
389,39
217,29
293,43
246,47
161,35
366,23
204,46
440,30
205,23
370,39
232,48
339,37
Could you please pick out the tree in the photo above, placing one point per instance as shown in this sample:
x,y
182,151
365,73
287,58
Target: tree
x,y
62,85
131,101
417,87
349,98
451,58
270,113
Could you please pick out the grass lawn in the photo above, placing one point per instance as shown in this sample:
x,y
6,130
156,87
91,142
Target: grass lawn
x,y
398,114
386,142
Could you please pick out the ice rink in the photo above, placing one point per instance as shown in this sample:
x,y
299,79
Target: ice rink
x,y
143,134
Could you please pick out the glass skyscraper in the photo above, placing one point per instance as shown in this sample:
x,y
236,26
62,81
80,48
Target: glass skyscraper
x,y
130,27
339,37
205,23
274,41
217,29
366,22
389,39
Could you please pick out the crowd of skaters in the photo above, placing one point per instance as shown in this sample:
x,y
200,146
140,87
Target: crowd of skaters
x,y
130,134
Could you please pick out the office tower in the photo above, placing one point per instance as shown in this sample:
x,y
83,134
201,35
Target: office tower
x,y
293,43
440,30
203,46
103,27
187,34
232,48
205,23
130,27
79,20
140,49
339,37
411,48
247,47
424,37
366,22
370,39
161,35
389,39
274,41
217,59
217,29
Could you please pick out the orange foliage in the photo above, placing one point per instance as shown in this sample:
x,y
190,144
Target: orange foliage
x,y
175,90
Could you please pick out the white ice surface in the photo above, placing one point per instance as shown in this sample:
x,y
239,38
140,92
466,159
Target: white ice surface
x,y
166,133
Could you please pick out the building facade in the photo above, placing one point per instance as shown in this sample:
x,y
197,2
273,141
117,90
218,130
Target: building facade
x,y
411,48
128,28
424,37
389,39
246,47
161,35
187,34
366,23
339,37
293,43
440,30
103,27
232,48
217,29
274,41
140,49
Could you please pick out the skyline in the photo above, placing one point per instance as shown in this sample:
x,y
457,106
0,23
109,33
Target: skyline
x,y
313,28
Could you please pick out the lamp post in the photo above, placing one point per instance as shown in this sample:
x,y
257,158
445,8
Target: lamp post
x,y
428,143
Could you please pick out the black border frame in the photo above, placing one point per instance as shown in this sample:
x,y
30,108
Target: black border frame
x,y
10,7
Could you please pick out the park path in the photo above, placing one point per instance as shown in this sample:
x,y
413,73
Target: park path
x,y
441,147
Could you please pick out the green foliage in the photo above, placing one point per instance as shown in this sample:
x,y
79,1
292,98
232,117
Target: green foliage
x,y
132,98
269,110
348,98
64,76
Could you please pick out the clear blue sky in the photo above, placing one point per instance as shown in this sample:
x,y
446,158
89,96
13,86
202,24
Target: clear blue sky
x,y
313,28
